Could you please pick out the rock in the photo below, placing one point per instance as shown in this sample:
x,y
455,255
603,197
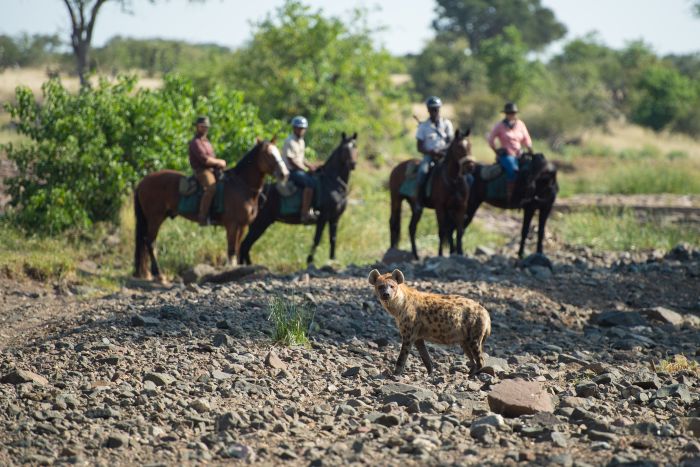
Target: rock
x,y
595,435
201,405
388,420
405,394
394,255
23,376
691,425
159,379
675,390
237,451
494,420
223,340
537,260
197,272
117,440
351,372
587,389
515,397
618,318
485,433
172,312
645,379
273,361
484,251
559,439
227,421
220,375
680,252
664,315
235,274
138,320
539,272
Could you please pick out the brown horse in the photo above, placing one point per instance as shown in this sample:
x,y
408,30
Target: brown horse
x,y
156,198
449,197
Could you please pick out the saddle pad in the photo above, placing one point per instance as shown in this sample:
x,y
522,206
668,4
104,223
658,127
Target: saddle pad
x,y
496,188
291,205
189,204
491,172
408,186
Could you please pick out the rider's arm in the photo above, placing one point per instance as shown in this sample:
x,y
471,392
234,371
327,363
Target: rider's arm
x,y
492,138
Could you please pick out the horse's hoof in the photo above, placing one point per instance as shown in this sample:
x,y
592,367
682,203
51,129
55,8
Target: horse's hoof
x,y
160,279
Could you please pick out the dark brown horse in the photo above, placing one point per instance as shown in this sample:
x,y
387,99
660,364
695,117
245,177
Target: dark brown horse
x,y
334,176
156,198
536,190
449,196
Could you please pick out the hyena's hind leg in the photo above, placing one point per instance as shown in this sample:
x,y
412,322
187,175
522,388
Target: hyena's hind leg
x,y
470,355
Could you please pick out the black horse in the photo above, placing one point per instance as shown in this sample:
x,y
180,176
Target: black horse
x,y
535,190
334,176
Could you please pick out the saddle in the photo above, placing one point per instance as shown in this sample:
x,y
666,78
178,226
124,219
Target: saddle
x,y
188,185
286,188
408,187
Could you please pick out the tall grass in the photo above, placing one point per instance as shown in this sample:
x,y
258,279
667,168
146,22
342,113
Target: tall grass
x,y
609,230
291,320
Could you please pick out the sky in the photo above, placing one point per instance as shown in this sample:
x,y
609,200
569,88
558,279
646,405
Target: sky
x,y
667,25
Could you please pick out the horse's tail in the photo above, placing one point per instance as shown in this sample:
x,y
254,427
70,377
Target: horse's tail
x,y
140,253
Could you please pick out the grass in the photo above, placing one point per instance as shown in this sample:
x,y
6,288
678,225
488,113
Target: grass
x,y
291,320
612,230
677,364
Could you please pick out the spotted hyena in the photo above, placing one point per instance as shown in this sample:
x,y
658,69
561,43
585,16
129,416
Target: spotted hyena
x,y
420,317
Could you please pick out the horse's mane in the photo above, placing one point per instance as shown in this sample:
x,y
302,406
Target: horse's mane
x,y
247,160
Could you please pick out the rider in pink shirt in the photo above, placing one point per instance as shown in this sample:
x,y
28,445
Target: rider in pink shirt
x,y
512,134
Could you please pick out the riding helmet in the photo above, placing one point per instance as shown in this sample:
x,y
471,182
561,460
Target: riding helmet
x,y
300,122
433,102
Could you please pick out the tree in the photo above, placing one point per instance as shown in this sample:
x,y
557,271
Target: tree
x,y
662,96
508,68
83,15
478,20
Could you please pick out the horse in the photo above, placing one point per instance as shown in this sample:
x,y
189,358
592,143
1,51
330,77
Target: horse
x,y
157,195
536,192
334,176
449,197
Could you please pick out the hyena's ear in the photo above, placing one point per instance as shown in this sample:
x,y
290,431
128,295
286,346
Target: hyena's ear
x,y
373,275
397,276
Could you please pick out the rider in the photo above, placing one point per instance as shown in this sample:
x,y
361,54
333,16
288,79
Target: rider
x,y
204,163
293,156
512,134
432,138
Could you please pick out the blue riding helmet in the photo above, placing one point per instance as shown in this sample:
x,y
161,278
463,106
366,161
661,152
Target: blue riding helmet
x,y
433,102
300,122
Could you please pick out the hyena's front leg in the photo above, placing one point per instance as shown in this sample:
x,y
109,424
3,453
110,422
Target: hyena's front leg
x,y
424,355
403,355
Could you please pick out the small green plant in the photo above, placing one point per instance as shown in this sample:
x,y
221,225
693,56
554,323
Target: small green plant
x,y
292,320
678,363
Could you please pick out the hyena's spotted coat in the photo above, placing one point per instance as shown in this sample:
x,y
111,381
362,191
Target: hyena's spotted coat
x,y
443,319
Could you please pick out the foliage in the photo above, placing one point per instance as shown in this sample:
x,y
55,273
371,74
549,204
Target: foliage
x,y
88,149
25,50
292,321
302,62
662,96
447,69
506,64
157,56
678,364
479,20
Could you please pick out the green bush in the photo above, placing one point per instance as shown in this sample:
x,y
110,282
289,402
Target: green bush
x,y
87,150
292,321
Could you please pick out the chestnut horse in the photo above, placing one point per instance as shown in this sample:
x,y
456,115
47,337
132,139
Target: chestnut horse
x,y
449,197
157,195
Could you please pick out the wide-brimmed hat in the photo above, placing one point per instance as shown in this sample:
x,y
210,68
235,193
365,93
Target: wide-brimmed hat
x,y
510,108
202,121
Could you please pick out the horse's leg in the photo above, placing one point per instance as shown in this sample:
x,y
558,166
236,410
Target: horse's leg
x,y
237,245
320,225
459,226
395,220
544,214
415,218
529,211
153,228
332,231
232,234
442,228
257,228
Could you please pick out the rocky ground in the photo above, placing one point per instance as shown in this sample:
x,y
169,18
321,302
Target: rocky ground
x,y
189,374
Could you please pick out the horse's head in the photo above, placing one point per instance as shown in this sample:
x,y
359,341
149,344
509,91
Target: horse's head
x,y
348,148
460,149
270,160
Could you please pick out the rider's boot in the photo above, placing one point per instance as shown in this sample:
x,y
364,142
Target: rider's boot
x,y
307,213
420,192
205,205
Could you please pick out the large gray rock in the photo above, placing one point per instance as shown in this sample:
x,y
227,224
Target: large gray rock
x,y
235,274
23,376
197,272
159,379
405,394
618,318
664,315
515,397
394,255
